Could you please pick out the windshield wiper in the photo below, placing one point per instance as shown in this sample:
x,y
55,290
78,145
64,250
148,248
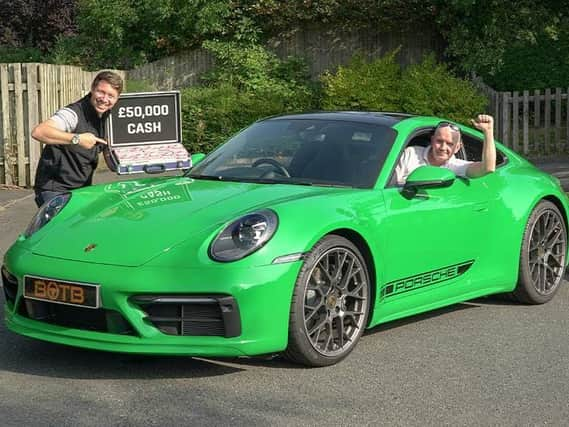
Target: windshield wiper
x,y
208,177
291,181
240,179
318,183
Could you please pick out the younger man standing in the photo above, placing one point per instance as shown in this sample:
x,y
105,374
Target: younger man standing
x,y
73,138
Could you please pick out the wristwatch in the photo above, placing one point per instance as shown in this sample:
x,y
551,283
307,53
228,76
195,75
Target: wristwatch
x,y
75,139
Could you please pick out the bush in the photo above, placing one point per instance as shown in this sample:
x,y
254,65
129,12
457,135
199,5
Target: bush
x,y
211,114
427,88
30,54
248,83
139,86
430,89
363,85
528,66
67,51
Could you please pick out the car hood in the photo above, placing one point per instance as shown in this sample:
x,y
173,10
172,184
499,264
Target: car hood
x,y
130,222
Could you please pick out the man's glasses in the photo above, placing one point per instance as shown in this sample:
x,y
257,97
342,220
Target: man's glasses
x,y
452,126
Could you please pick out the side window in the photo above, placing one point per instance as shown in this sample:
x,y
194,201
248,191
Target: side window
x,y
471,149
421,138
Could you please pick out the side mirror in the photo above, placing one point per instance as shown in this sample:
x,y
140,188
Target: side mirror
x,y
428,177
196,158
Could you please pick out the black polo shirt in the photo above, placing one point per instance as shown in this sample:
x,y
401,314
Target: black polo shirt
x,y
66,166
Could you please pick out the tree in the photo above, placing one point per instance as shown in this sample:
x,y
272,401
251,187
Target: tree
x,y
277,16
480,32
123,33
35,23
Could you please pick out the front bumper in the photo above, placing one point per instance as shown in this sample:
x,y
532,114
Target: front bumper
x,y
253,302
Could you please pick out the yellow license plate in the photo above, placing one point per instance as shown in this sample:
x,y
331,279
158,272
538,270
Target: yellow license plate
x,y
61,291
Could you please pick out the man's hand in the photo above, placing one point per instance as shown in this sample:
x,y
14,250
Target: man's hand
x,y
483,122
88,140
48,133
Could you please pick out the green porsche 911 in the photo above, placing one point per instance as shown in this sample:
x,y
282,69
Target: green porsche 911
x,y
293,237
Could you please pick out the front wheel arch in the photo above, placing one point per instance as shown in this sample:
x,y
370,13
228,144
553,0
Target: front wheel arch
x,y
365,250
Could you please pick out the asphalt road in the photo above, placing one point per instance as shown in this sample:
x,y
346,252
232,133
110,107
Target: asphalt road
x,y
486,362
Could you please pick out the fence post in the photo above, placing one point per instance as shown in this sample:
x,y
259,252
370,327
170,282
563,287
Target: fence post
x,y
20,143
506,119
537,119
6,129
515,120
33,118
496,110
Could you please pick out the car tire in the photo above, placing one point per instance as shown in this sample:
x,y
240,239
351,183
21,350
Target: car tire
x,y
542,257
330,303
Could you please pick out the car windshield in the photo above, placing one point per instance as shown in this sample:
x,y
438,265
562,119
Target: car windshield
x,y
302,152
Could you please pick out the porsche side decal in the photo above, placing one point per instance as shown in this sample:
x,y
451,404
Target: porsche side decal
x,y
424,279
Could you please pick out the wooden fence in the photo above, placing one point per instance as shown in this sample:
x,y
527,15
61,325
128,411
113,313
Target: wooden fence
x,y
534,123
326,49
29,94
174,72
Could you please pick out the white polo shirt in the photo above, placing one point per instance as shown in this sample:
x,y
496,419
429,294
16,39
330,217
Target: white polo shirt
x,y
416,156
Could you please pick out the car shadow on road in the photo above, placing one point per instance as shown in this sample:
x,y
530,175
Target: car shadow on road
x,y
494,300
33,357
26,356
420,317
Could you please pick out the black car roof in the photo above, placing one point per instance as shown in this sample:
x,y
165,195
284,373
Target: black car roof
x,y
378,118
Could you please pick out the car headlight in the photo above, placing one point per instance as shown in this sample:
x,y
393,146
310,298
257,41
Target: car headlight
x,y
244,236
46,213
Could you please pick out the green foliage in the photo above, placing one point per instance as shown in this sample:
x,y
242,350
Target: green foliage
x,y
276,17
123,34
35,24
139,86
363,85
540,65
427,88
30,54
249,83
211,114
103,36
67,51
253,69
506,42
490,38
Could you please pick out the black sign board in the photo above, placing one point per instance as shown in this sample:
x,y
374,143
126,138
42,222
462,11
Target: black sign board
x,y
145,118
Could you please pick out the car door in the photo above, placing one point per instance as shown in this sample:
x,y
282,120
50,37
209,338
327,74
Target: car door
x,y
432,243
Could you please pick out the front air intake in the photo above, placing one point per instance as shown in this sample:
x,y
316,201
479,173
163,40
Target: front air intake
x,y
211,315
